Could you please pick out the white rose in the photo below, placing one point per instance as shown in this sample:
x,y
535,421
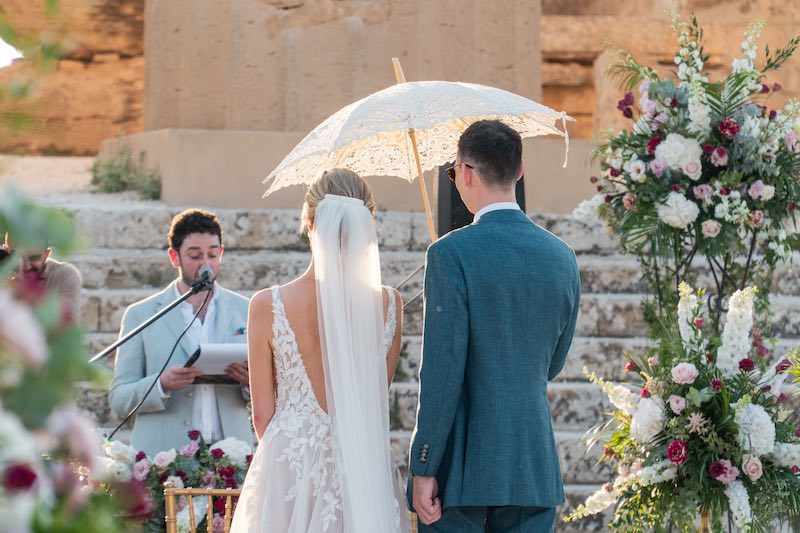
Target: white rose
x,y
693,169
711,228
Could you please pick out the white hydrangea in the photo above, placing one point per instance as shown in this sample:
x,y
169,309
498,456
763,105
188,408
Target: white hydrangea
x,y
120,452
756,430
234,449
739,504
786,454
16,443
648,420
736,334
677,150
677,211
587,209
112,470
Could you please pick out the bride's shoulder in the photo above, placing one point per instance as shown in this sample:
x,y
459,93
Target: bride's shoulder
x,y
261,302
390,294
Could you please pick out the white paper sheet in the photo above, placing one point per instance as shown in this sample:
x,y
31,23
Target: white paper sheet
x,y
215,358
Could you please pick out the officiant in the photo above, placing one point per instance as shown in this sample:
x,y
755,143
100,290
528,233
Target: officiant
x,y
178,403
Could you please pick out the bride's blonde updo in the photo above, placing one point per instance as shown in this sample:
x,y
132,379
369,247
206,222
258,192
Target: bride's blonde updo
x,y
339,181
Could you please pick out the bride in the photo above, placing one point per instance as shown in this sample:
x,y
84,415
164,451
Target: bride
x,y
322,352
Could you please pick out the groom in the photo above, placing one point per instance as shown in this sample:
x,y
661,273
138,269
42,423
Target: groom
x,y
501,301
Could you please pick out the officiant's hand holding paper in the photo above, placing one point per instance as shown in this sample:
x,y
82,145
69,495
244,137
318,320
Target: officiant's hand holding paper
x,y
221,363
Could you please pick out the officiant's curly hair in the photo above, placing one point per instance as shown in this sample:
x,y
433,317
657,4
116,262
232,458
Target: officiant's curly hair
x,y
494,149
338,181
192,221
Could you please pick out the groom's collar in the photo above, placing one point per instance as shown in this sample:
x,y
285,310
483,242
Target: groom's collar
x,y
503,215
497,206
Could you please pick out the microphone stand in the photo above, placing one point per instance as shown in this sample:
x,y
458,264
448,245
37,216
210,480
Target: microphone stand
x,y
199,286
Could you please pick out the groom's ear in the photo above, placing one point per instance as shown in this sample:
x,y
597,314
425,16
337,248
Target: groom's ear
x,y
521,170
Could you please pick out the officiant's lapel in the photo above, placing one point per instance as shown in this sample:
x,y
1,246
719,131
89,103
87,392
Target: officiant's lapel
x,y
224,327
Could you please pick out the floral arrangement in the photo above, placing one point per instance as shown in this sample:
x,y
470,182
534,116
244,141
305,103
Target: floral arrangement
x,y
704,432
47,449
219,466
707,170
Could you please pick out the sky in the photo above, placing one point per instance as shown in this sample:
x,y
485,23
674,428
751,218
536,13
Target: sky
x,y
7,54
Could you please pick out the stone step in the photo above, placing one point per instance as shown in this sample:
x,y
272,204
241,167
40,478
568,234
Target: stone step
x,y
144,225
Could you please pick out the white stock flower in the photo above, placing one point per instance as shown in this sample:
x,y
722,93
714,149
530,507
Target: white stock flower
x,y
622,398
236,450
686,307
739,504
736,334
699,116
677,211
786,454
648,420
656,473
756,430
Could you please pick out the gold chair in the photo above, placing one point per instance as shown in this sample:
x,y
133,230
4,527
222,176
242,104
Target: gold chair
x,y
171,495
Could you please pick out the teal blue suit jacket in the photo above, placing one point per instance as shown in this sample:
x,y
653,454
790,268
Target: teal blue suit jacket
x,y
501,302
163,424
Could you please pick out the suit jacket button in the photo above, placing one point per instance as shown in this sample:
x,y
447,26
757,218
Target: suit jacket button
x,y
422,459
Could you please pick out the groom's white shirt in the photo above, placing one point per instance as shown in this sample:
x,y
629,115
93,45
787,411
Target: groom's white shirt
x,y
497,206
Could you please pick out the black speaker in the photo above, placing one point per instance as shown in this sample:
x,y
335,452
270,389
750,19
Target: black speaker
x,y
453,214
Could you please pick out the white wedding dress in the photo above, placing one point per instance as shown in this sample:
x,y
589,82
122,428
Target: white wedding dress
x,y
294,485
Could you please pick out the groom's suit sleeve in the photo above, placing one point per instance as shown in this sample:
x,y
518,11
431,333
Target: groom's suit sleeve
x,y
444,356
565,340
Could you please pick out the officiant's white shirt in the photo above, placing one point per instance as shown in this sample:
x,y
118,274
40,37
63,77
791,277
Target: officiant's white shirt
x,y
205,411
497,206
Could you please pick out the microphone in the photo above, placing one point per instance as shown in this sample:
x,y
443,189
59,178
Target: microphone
x,y
205,278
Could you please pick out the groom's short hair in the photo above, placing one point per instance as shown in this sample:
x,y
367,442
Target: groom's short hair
x,y
494,149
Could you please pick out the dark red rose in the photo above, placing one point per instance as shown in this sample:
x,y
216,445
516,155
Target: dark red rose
x,y
652,144
630,366
231,483
248,458
217,453
219,505
592,179
766,388
675,187
194,434
140,456
724,191
226,471
764,88
716,469
645,393
772,114
746,364
783,366
729,127
614,172
181,474
162,478
698,322
795,469
627,113
599,188
708,149
673,103
792,206
608,198
782,398
677,452
19,477
716,385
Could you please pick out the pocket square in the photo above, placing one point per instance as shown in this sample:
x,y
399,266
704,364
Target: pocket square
x,y
240,331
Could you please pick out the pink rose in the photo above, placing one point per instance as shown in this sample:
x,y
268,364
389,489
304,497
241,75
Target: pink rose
x,y
657,167
710,228
692,169
190,449
703,191
756,189
163,459
719,157
141,469
684,373
723,471
677,404
218,524
652,361
629,201
751,466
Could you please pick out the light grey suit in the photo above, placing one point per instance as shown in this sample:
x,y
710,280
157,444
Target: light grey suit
x,y
162,424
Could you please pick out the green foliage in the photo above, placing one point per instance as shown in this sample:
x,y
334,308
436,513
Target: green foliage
x,y
121,172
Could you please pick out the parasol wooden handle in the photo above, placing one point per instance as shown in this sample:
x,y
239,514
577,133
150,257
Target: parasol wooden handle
x,y
401,78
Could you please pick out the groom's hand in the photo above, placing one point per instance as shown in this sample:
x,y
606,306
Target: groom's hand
x,y
426,499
